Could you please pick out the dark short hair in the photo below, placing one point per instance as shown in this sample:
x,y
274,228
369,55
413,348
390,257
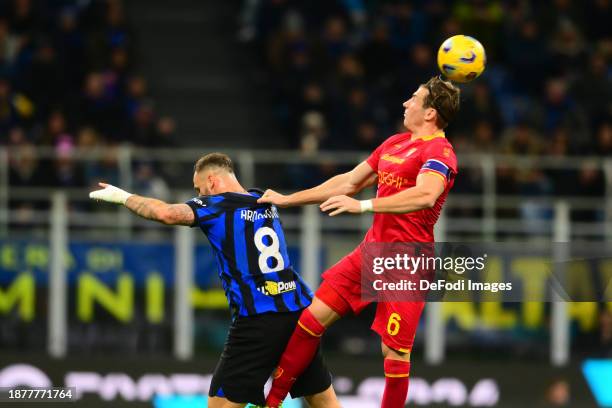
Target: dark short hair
x,y
218,160
444,98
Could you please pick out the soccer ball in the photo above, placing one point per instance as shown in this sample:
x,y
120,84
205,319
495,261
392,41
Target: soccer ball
x,y
461,58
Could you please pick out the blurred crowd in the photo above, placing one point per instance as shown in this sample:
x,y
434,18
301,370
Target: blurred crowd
x,y
68,80
340,70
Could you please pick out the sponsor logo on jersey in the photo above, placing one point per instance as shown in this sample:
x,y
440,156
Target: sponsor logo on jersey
x,y
392,159
272,288
199,202
391,179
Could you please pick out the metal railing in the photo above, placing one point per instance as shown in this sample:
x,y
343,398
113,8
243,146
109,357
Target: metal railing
x,y
252,166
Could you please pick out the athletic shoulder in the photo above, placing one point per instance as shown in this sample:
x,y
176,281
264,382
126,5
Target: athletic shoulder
x,y
440,149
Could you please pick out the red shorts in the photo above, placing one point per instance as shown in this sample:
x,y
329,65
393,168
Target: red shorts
x,y
395,322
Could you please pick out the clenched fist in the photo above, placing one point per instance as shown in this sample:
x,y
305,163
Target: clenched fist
x,y
272,197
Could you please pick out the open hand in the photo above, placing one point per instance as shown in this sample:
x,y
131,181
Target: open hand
x,y
340,204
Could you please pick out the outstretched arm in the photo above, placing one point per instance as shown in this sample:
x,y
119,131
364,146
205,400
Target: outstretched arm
x,y
348,184
423,195
145,207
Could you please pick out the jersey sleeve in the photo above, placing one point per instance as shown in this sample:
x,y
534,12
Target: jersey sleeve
x,y
439,159
202,211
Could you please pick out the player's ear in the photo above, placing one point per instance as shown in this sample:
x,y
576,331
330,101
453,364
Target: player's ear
x,y
210,182
430,114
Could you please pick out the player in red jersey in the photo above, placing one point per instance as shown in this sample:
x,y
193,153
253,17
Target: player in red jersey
x,y
415,171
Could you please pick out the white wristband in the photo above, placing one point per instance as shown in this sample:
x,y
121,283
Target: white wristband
x,y
366,205
123,196
110,194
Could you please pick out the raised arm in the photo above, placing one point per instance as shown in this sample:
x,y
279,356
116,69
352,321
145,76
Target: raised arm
x,y
348,184
428,188
145,207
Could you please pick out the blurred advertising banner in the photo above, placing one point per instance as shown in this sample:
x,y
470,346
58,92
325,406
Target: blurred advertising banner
x,y
129,286
120,296
109,280
148,382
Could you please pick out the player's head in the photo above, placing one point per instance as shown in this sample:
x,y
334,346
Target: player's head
x,y
213,173
435,102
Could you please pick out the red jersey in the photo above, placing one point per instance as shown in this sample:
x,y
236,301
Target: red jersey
x,y
398,161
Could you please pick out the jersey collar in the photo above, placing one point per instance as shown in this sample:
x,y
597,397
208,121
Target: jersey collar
x,y
429,137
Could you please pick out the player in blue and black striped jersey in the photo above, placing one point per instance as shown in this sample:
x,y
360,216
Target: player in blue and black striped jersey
x,y
266,295
251,252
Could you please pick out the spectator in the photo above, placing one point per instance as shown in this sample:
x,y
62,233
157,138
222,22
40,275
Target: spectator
x,y
528,54
478,106
377,55
135,95
603,144
568,49
593,90
561,178
335,41
521,140
9,46
44,79
590,183
482,19
166,132
56,129
367,137
314,132
24,19
148,183
15,108
484,137
560,110
25,171
70,46
68,172
407,26
99,109
143,128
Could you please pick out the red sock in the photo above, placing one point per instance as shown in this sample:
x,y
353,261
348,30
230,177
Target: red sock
x,y
297,356
396,383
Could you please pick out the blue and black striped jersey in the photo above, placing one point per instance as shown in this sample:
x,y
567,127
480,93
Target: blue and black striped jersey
x,y
249,244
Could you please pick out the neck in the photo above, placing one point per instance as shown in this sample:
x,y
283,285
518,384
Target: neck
x,y
427,129
233,186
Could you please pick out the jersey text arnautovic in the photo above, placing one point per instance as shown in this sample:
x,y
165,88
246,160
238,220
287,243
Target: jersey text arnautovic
x,y
250,215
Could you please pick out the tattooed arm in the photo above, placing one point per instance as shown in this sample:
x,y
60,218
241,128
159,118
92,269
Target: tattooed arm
x,y
149,208
157,210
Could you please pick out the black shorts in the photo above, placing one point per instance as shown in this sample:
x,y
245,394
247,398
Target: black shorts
x,y
252,351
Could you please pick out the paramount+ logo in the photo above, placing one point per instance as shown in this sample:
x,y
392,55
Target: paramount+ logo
x,y
271,288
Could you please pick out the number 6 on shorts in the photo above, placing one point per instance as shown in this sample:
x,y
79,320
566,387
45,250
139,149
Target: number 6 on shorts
x,y
393,325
